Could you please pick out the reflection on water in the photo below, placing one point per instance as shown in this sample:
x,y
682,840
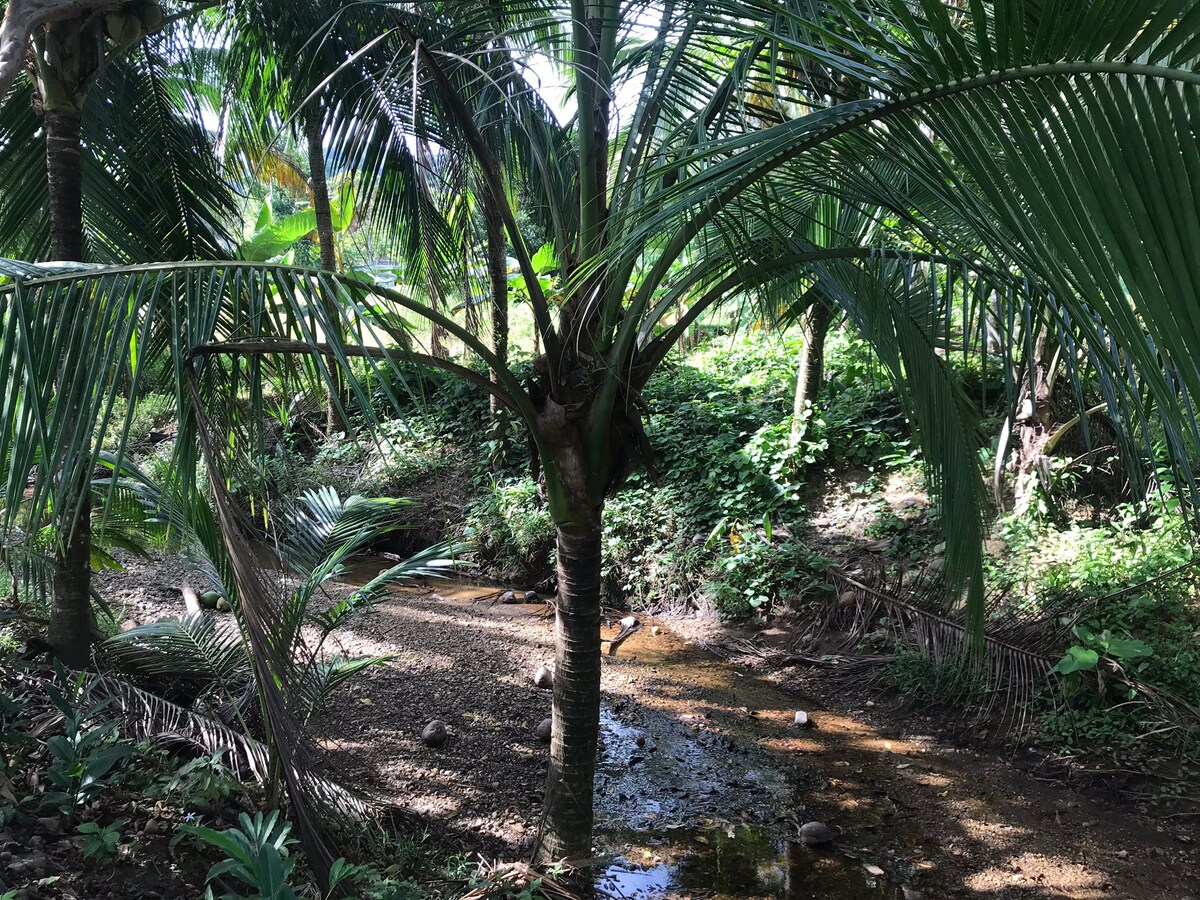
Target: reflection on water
x,y
735,862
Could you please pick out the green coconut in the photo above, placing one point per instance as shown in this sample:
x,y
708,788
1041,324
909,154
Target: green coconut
x,y
151,15
123,27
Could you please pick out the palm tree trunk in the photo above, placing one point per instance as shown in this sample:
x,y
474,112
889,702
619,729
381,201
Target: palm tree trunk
x,y
70,629
65,172
811,373
323,211
497,260
567,820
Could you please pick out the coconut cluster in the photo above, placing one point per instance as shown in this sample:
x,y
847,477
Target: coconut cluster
x,y
133,21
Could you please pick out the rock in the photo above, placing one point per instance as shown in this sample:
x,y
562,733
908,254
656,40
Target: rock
x,y
152,828
434,734
222,605
655,630
873,869
508,597
816,834
530,597
33,864
544,677
846,598
50,825
802,720
544,730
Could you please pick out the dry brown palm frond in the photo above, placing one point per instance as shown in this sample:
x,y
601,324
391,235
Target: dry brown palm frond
x,y
999,686
291,751
506,879
873,616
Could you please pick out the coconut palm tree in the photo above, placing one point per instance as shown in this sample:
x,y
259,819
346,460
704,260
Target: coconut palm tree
x,y
152,191
1045,141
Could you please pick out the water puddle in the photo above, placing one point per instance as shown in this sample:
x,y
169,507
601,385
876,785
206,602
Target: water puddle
x,y
733,862
659,772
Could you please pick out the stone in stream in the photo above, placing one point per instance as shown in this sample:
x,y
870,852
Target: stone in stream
x,y
544,677
816,834
434,734
544,730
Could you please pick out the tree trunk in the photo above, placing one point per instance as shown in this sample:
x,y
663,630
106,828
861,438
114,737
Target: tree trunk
x,y
811,374
567,824
70,629
1033,423
64,169
497,250
323,211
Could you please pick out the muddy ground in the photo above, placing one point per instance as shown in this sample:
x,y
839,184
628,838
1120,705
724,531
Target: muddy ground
x,y
704,777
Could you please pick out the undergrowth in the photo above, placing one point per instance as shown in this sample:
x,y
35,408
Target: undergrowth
x,y
1136,646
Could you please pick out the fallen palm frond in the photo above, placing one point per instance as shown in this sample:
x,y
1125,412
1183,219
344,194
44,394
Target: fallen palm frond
x,y
873,622
521,879
1002,681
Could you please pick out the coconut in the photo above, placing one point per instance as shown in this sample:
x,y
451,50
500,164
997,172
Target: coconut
x,y
434,734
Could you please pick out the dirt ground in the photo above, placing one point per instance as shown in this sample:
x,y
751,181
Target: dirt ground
x,y
704,778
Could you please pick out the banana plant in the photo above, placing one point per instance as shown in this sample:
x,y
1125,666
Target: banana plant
x,y
274,237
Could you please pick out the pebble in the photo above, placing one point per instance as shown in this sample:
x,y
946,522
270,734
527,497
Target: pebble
x,y
152,828
544,677
543,730
801,719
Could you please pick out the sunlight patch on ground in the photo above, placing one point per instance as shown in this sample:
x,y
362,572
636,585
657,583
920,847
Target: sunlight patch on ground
x,y
1055,875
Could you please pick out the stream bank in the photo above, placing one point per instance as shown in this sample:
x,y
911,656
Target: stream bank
x,y
704,778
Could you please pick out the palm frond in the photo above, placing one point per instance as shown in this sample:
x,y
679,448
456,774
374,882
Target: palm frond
x,y
198,646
